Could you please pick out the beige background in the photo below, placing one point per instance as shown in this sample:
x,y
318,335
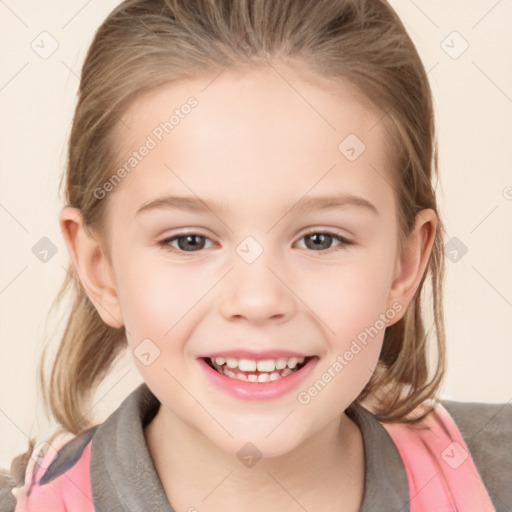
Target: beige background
x,y
473,95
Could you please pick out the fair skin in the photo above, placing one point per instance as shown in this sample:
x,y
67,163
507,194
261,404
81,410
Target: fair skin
x,y
256,145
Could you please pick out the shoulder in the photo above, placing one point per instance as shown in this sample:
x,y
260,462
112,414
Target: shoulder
x,y
461,452
487,430
481,420
58,474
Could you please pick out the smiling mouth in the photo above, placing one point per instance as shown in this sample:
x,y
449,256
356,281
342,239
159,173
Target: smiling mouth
x,y
257,371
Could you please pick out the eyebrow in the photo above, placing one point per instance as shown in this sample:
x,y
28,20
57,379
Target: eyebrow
x,y
305,205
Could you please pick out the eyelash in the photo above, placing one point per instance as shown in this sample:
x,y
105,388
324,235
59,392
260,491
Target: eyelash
x,y
344,242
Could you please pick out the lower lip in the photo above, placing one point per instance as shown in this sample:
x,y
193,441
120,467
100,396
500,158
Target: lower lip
x,y
258,390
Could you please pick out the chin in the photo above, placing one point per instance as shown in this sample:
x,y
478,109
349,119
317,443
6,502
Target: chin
x,y
250,441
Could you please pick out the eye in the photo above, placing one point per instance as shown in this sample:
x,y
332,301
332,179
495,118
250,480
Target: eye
x,y
321,241
186,242
318,241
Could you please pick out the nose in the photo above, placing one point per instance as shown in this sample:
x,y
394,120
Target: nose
x,y
257,292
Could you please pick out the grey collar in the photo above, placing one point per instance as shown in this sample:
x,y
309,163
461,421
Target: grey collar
x,y
124,479
386,487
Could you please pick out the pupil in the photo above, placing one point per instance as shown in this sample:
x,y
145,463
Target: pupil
x,y
189,241
320,237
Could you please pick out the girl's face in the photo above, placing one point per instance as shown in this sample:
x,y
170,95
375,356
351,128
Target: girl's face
x,y
254,225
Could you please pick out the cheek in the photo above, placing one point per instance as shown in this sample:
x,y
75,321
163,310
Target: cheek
x,y
351,304
348,297
155,297
161,307
157,305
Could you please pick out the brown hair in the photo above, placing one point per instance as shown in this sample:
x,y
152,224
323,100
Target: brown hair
x,y
144,44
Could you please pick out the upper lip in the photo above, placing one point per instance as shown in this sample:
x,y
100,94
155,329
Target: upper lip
x,y
257,356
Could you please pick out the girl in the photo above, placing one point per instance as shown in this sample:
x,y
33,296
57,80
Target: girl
x,y
250,211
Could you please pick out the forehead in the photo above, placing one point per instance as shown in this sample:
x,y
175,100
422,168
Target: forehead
x,y
264,133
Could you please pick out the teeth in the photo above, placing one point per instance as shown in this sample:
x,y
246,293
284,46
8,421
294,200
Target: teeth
x,y
270,369
281,364
231,363
267,365
247,365
292,362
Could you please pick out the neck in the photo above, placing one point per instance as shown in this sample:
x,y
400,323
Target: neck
x,y
327,470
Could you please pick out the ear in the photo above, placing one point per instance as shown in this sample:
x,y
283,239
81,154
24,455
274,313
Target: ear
x,y
92,266
412,262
